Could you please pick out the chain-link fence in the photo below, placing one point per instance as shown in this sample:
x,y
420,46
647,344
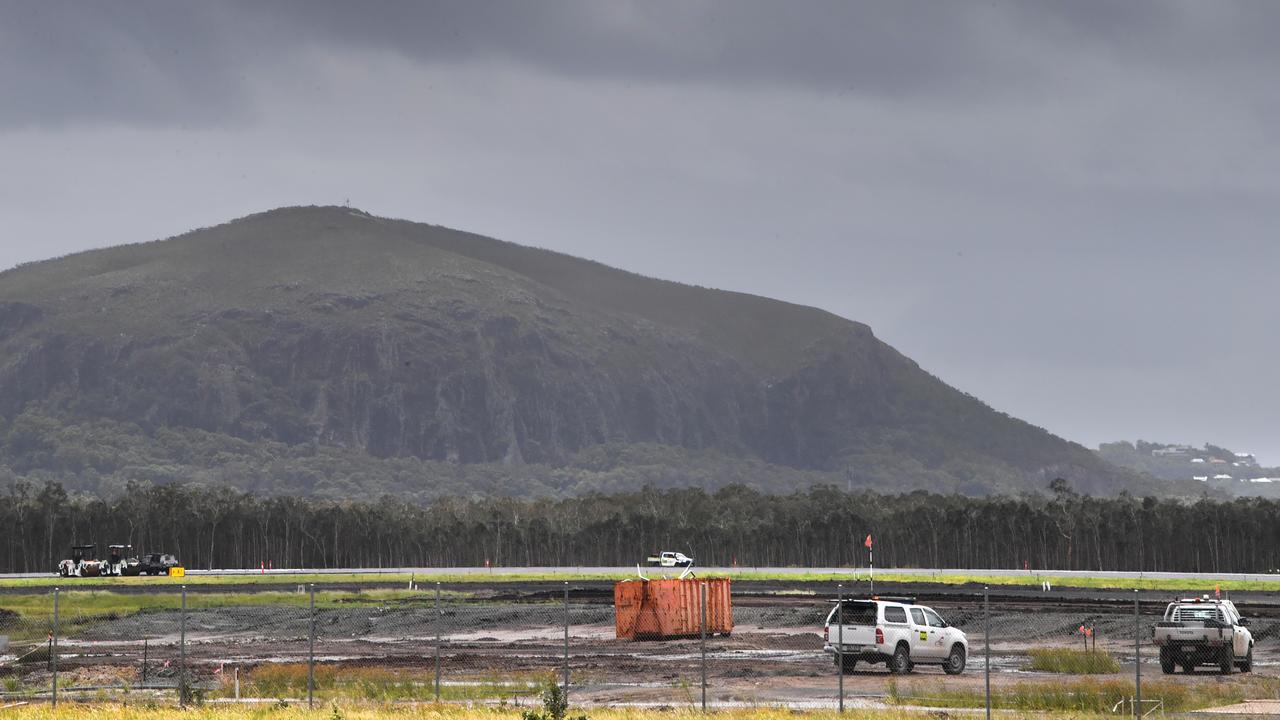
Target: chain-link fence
x,y
503,643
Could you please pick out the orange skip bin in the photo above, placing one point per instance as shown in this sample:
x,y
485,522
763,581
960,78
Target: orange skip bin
x,y
660,609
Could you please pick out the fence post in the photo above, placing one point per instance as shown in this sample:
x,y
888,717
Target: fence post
x,y
566,642
1137,658
439,620
703,626
840,641
53,647
986,631
182,650
311,653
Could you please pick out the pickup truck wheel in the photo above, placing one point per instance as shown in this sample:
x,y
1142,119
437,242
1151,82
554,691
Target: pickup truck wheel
x,y
900,664
1224,661
955,661
1166,661
1247,664
848,663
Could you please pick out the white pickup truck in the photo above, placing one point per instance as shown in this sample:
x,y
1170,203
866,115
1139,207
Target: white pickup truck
x,y
670,559
1203,631
896,632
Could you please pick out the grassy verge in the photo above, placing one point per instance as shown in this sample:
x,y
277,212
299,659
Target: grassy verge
x,y
508,575
79,609
269,579
361,711
381,684
1015,579
1073,662
1082,696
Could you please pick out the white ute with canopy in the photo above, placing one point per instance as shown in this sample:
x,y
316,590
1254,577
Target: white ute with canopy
x,y
893,631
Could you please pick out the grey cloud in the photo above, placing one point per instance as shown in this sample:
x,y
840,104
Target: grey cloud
x,y
156,62
146,63
1065,208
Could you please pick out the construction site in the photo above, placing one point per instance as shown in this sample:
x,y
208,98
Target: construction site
x,y
660,643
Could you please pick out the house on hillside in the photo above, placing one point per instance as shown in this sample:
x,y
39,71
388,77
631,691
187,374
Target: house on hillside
x,y
1246,459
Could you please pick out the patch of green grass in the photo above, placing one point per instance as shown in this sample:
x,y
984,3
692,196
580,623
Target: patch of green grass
x,y
99,604
1083,696
411,711
77,609
380,684
1073,661
1013,578
425,582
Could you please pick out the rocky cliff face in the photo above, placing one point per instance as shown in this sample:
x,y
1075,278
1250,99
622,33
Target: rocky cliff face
x,y
327,326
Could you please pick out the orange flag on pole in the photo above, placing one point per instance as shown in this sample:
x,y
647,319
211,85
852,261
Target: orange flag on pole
x,y
867,542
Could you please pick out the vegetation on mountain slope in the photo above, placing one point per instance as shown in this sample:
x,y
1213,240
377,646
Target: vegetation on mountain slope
x,y
325,351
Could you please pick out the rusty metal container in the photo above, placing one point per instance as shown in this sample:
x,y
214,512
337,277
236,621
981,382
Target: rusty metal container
x,y
660,609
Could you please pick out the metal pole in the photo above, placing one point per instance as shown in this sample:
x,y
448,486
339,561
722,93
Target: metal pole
x,y
840,641
1137,658
704,646
144,661
311,654
439,619
182,650
53,647
986,630
566,643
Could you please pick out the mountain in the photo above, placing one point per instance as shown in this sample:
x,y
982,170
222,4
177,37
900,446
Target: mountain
x,y
322,350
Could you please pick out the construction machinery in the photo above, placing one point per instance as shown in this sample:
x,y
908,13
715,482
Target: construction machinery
x,y
118,563
157,564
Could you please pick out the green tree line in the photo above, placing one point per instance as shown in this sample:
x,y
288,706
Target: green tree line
x,y
210,527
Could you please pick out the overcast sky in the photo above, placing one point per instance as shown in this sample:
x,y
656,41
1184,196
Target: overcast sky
x,y
1067,209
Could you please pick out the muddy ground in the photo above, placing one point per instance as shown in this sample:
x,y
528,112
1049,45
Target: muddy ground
x,y
774,654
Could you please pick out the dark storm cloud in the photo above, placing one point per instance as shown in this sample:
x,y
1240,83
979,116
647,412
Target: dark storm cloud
x,y
187,63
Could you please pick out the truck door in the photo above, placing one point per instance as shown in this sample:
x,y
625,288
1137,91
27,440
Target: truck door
x,y
940,636
923,639
1239,639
